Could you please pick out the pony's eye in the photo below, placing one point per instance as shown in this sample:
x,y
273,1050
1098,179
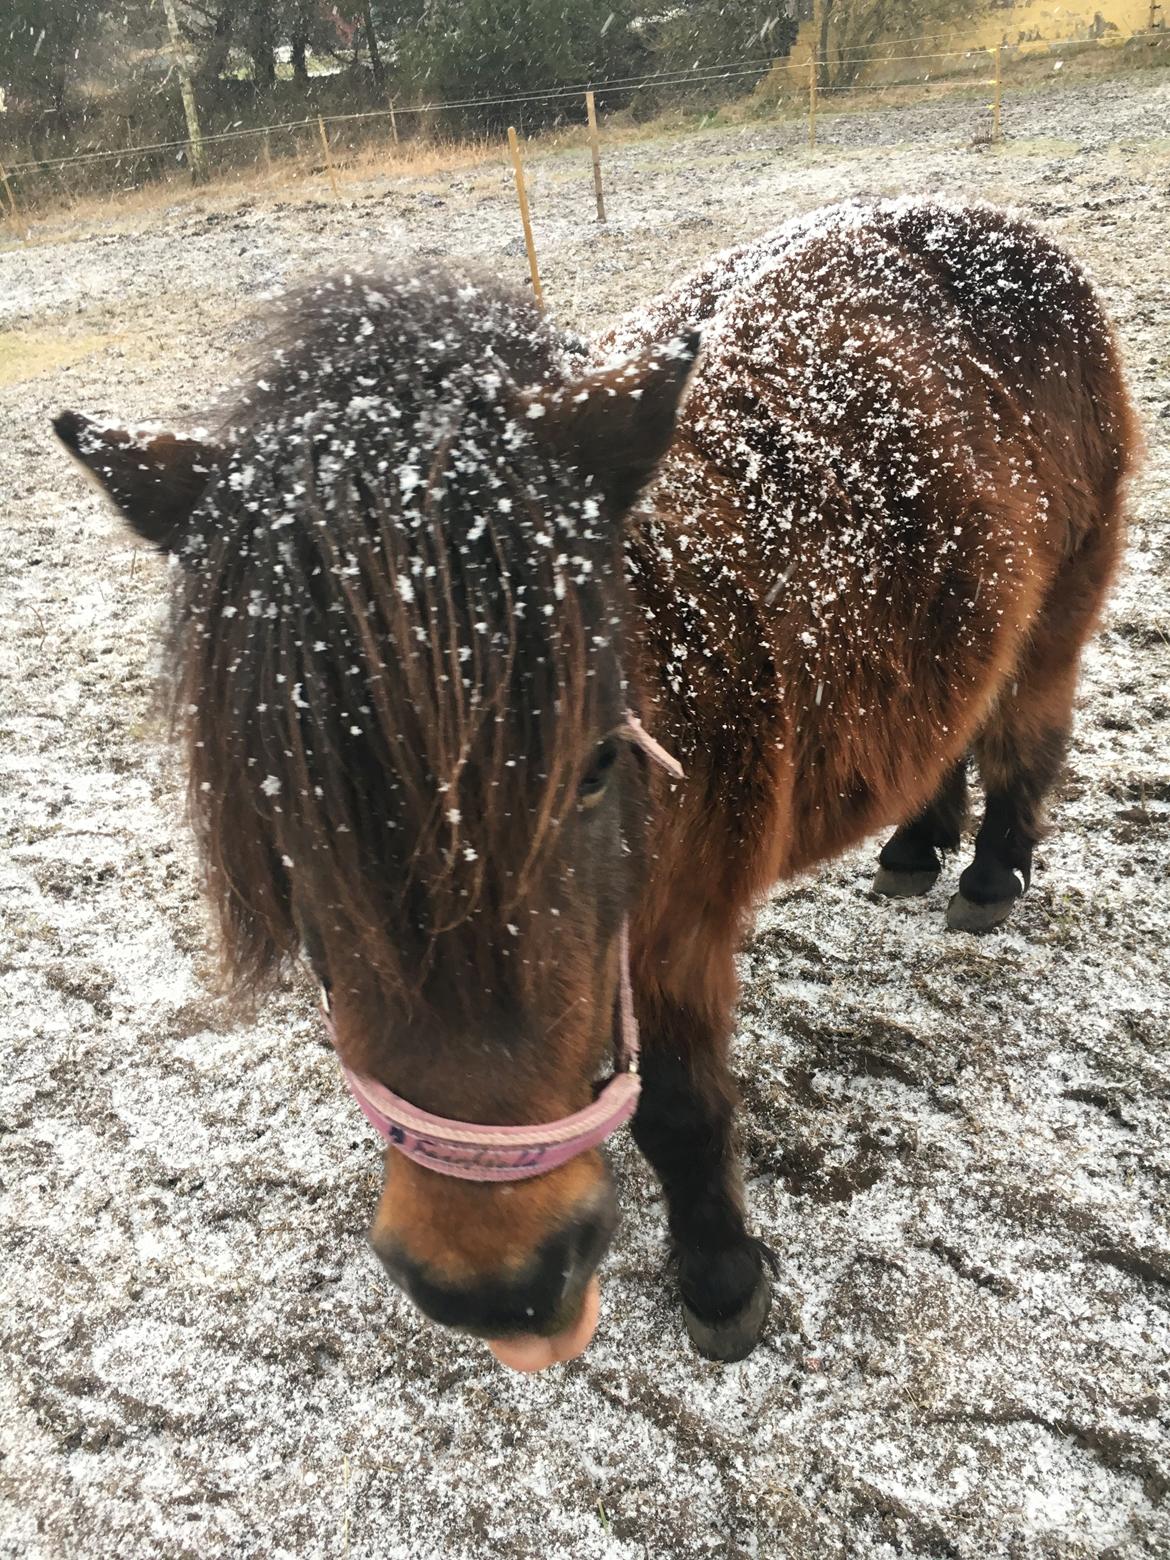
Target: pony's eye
x,y
596,777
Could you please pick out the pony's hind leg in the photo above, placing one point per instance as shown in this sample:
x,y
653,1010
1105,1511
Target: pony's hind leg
x,y
684,1126
909,862
1021,748
1020,762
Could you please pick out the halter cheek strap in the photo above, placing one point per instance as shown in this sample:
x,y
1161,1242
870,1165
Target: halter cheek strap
x,y
474,1152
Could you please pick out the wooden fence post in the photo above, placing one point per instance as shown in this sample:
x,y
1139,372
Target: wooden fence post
x,y
522,197
393,123
812,99
17,219
596,149
995,107
328,157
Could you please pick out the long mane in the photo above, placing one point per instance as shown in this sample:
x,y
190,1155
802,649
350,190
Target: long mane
x,y
384,639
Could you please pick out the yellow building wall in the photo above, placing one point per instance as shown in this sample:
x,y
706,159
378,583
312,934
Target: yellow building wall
x,y
1039,22
1050,21
1039,19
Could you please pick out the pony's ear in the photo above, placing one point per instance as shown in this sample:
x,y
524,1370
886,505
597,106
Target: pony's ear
x,y
155,479
618,423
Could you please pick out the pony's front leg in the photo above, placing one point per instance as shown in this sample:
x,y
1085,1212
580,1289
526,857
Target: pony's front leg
x,y
684,1126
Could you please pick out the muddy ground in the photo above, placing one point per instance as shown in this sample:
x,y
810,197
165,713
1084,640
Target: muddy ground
x,y
958,1148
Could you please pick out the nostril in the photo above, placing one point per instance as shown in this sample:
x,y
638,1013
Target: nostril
x,y
592,1236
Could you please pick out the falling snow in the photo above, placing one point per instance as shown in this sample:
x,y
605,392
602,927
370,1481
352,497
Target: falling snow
x,y
957,1148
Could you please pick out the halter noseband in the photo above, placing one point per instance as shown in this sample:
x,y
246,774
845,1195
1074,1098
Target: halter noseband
x,y
473,1152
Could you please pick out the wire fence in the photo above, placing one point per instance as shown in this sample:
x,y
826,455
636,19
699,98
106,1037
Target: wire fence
x,y
796,78
697,77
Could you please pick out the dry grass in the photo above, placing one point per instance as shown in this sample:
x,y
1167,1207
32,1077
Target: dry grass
x,y
904,82
299,175
27,354
299,168
302,174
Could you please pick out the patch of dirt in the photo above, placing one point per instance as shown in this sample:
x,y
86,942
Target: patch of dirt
x,y
957,1148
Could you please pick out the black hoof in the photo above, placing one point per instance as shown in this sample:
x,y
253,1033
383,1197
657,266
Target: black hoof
x,y
734,1337
903,885
964,915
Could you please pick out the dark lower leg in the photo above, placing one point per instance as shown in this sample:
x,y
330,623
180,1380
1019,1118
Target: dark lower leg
x,y
1017,778
1022,746
1002,868
909,860
684,1126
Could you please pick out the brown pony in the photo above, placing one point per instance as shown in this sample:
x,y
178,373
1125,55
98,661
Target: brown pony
x,y
434,557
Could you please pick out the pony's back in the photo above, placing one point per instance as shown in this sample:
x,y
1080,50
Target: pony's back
x,y
908,424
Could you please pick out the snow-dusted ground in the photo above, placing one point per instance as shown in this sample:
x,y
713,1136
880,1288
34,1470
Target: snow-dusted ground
x,y
958,1148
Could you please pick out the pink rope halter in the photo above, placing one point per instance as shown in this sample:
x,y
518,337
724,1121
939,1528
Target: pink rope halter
x,y
474,1152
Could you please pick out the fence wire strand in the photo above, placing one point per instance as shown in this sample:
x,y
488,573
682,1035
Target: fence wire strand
x,y
699,75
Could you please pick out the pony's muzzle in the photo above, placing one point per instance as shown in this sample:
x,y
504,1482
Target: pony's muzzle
x,y
541,1298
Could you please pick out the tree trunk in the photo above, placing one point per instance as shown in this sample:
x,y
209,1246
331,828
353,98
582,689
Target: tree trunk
x,y
60,89
826,17
64,47
300,63
215,60
264,65
187,91
261,44
376,66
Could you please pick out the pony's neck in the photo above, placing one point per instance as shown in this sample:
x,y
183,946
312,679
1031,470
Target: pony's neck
x,y
704,635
